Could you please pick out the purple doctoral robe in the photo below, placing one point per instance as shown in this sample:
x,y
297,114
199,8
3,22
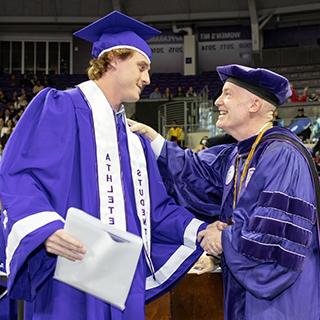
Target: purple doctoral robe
x,y
50,165
270,261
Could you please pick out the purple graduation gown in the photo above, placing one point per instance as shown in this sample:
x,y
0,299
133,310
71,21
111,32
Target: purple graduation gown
x,y
48,166
270,259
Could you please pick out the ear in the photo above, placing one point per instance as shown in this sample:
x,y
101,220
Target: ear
x,y
256,104
113,64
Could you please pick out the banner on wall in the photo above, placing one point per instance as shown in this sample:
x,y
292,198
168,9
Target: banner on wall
x,y
223,45
212,54
167,52
216,46
228,33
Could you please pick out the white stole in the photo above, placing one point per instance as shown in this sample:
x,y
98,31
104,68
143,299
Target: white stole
x,y
112,206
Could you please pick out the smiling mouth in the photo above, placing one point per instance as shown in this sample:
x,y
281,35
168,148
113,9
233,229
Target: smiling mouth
x,y
222,113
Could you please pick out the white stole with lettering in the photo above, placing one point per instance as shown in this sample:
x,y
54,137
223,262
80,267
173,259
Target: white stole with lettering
x,y
112,206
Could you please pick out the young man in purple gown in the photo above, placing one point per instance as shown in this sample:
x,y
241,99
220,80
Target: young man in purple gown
x,y
74,149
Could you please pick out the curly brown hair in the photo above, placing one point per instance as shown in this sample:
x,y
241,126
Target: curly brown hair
x,y
98,66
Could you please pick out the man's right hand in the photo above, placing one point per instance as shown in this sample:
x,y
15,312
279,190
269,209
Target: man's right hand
x,y
143,129
63,244
210,238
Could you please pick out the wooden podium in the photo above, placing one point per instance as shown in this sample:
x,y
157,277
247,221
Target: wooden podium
x,y
193,298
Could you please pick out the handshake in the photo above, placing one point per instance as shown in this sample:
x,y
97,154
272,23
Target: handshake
x,y
210,238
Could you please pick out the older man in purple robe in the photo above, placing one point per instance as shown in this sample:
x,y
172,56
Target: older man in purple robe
x,y
270,250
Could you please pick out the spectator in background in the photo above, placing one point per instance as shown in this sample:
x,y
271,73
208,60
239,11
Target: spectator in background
x,y
18,115
316,159
304,96
7,115
294,97
2,132
191,93
167,94
7,130
305,134
14,98
313,97
12,111
3,97
203,141
202,144
34,79
220,139
1,127
206,90
47,81
155,94
27,95
216,140
22,101
175,133
180,92
25,82
300,113
37,87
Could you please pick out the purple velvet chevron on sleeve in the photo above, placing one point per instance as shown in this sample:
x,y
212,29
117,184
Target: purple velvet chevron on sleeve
x,y
280,230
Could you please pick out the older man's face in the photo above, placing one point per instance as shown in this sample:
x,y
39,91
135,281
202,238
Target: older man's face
x,y
233,105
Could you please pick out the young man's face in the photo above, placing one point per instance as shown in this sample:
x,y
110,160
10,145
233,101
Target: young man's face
x,y
131,76
233,105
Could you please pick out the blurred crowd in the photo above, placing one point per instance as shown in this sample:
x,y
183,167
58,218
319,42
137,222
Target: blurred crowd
x,y
14,101
306,95
19,93
168,93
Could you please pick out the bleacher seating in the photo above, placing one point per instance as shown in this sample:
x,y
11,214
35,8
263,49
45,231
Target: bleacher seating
x,y
301,76
174,80
161,80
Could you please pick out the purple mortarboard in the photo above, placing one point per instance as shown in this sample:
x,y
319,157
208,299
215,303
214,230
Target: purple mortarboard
x,y
115,31
264,83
